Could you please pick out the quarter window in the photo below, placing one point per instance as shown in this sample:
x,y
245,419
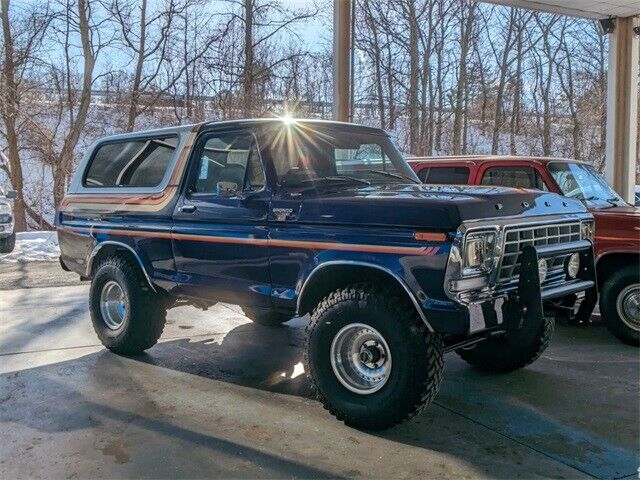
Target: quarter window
x,y
445,175
517,177
229,163
133,163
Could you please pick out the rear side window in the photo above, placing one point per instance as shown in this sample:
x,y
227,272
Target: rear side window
x,y
445,175
518,177
132,163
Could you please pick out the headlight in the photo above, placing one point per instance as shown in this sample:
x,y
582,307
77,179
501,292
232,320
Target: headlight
x,y
573,265
543,268
479,249
5,208
586,230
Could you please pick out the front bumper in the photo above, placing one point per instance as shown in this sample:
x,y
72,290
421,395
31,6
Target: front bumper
x,y
6,230
502,311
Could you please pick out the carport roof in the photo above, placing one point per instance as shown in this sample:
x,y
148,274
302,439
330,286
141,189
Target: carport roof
x,y
579,8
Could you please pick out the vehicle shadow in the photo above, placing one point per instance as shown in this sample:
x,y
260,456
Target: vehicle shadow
x,y
496,424
250,355
546,407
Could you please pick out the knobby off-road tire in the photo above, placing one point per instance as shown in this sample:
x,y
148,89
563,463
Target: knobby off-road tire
x,y
144,312
8,244
615,290
268,318
510,352
417,360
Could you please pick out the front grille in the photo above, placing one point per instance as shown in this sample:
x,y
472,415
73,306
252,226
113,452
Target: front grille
x,y
517,238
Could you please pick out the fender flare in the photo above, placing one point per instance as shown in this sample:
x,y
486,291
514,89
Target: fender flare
x,y
99,247
389,272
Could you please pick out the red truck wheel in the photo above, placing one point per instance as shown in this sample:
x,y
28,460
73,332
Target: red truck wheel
x,y
620,304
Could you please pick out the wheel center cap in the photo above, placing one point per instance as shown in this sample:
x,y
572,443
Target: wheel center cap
x,y
370,354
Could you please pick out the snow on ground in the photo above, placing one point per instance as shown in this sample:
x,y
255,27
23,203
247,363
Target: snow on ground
x,y
33,247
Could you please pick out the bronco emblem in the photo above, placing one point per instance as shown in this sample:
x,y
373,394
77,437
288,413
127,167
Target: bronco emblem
x,y
281,214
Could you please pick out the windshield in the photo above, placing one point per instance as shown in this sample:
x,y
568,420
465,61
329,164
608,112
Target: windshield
x,y
582,182
314,154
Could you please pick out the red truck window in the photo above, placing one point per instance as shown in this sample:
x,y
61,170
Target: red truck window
x,y
445,175
518,177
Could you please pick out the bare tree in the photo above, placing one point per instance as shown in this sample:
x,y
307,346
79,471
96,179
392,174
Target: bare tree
x,y
466,23
22,39
151,38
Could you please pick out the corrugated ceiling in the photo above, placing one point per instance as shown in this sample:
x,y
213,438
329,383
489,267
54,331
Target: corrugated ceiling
x,y
579,8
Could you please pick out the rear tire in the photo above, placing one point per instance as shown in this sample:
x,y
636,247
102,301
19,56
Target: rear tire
x,y
127,315
364,393
510,352
618,294
8,244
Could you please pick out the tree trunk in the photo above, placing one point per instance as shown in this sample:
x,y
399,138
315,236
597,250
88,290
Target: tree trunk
x,y
504,66
414,78
517,93
64,167
462,79
137,77
247,77
10,110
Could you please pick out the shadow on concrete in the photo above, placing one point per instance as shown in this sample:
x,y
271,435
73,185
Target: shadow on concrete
x,y
579,409
557,407
250,355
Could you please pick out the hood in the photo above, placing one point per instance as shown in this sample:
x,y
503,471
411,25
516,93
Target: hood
x,y
430,206
620,210
618,224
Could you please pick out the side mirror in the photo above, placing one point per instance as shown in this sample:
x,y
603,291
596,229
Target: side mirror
x,y
11,194
227,189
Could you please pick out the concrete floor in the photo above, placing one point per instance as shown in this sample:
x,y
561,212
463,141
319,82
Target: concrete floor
x,y
221,397
35,274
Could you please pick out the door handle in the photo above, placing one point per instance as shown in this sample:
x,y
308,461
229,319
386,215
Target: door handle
x,y
188,208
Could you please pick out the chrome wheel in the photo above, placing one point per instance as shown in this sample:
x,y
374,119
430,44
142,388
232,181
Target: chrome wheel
x,y
628,306
113,305
360,358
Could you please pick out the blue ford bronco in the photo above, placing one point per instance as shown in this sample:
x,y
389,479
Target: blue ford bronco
x,y
294,217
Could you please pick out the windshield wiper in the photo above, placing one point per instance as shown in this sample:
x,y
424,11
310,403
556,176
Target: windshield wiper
x,y
613,200
394,175
311,183
347,178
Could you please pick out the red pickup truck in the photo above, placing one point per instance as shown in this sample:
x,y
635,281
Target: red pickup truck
x,y
617,224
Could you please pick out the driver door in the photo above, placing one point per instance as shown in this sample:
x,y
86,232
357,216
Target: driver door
x,y
220,222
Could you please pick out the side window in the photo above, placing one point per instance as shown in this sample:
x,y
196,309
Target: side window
x,y
229,162
517,177
445,175
367,155
133,163
540,183
423,174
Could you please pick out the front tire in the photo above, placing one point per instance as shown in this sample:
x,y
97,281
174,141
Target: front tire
x,y
8,244
370,358
512,351
620,303
127,315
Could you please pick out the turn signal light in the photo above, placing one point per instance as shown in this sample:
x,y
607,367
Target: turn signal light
x,y
430,236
